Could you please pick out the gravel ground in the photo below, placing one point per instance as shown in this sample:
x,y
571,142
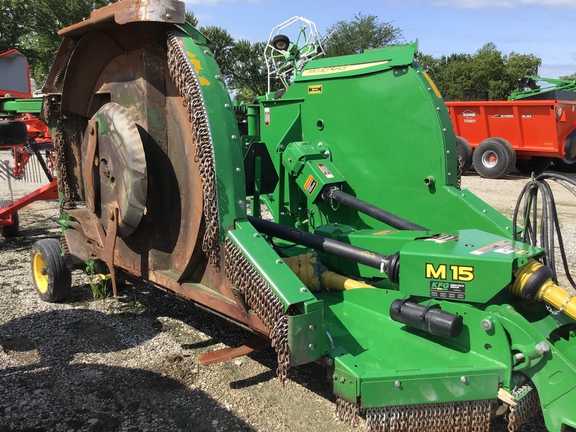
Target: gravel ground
x,y
130,363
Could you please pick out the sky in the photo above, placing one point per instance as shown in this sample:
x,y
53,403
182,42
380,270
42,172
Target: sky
x,y
544,28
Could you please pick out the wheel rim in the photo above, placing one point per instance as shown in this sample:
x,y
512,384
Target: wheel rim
x,y
489,159
39,272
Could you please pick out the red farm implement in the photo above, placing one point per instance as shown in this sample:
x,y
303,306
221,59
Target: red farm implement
x,y
26,137
528,132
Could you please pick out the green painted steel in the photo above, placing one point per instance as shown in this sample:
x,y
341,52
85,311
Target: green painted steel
x,y
391,139
377,122
374,125
392,364
20,106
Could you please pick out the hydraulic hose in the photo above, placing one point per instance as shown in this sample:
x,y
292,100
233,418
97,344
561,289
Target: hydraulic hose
x,y
539,190
371,210
385,263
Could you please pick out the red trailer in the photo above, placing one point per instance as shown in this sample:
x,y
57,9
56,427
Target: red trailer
x,y
528,134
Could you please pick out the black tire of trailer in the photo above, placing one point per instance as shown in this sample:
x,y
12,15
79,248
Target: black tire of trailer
x,y
12,229
565,165
52,278
494,158
464,151
536,165
13,132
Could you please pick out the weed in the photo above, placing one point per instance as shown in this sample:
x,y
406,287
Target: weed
x,y
99,283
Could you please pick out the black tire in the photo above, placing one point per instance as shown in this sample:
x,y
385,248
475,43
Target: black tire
x,y
51,275
13,132
565,165
10,230
534,165
281,42
494,158
464,151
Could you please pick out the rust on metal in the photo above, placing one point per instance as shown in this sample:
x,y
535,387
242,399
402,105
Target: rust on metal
x,y
110,243
225,354
128,11
89,162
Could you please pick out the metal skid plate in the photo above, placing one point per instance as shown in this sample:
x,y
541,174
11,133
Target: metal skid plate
x,y
115,167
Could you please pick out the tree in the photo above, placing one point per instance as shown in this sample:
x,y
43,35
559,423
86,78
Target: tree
x,y
519,66
32,26
191,18
359,34
221,44
486,72
14,18
569,77
248,73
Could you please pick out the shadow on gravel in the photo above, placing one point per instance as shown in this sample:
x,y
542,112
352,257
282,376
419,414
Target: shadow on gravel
x,y
48,381
58,384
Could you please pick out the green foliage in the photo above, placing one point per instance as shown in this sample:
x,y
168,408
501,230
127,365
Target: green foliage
x,y
486,72
222,45
32,26
249,74
13,17
569,77
359,34
99,283
191,18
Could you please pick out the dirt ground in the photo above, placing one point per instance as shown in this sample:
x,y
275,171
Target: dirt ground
x,y
130,363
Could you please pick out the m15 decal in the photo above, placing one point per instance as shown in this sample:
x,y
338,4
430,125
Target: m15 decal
x,y
452,272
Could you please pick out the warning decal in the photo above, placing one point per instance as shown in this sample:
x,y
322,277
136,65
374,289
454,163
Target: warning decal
x,y
491,247
325,170
314,89
310,185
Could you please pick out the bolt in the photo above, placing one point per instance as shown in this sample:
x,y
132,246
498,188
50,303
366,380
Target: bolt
x,y
311,327
238,169
542,347
328,361
217,77
226,105
326,153
342,380
240,202
278,261
487,324
233,137
256,235
302,290
282,147
335,376
398,384
168,16
464,379
319,144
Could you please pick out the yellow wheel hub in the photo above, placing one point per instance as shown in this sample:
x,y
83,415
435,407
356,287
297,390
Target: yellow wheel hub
x,y
39,273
